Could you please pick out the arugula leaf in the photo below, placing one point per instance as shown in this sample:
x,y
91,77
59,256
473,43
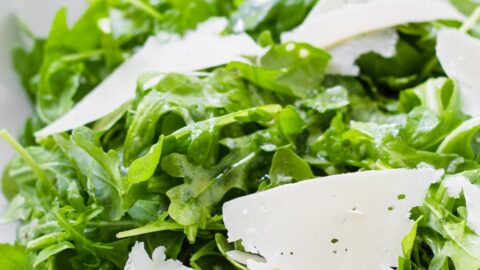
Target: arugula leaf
x,y
293,69
413,62
61,70
50,251
443,233
143,168
14,257
159,168
189,97
437,115
27,64
408,242
462,248
275,16
330,99
99,171
467,6
65,63
204,189
288,167
459,141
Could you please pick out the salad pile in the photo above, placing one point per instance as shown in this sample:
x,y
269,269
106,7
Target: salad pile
x,y
159,168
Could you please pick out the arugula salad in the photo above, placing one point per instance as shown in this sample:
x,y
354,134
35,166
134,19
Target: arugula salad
x,y
153,119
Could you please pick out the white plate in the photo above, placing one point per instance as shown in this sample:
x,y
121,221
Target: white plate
x,y
14,105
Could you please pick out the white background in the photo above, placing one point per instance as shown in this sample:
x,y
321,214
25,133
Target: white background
x,y
14,104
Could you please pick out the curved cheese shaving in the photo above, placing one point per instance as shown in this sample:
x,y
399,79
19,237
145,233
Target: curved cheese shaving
x,y
342,23
198,50
334,220
344,56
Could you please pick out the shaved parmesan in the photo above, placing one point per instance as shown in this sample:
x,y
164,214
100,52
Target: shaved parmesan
x,y
139,260
334,220
344,56
455,185
352,20
459,55
345,53
254,265
198,50
325,6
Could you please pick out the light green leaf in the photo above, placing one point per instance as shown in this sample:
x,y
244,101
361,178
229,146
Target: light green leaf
x,y
51,251
14,257
143,168
460,140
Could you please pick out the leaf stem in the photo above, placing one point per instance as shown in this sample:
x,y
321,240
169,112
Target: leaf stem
x,y
167,226
467,25
126,223
28,159
162,225
147,9
81,56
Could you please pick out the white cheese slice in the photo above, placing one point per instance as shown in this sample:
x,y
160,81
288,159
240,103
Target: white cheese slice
x,y
325,6
343,222
339,23
138,259
254,265
198,50
455,185
459,55
344,55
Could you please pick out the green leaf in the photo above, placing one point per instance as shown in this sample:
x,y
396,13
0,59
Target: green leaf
x,y
292,69
291,123
143,168
288,167
400,71
99,171
14,257
46,240
261,114
51,251
146,210
466,6
28,64
437,115
10,187
159,225
408,243
75,227
192,202
192,99
30,161
463,248
274,15
331,99
459,141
